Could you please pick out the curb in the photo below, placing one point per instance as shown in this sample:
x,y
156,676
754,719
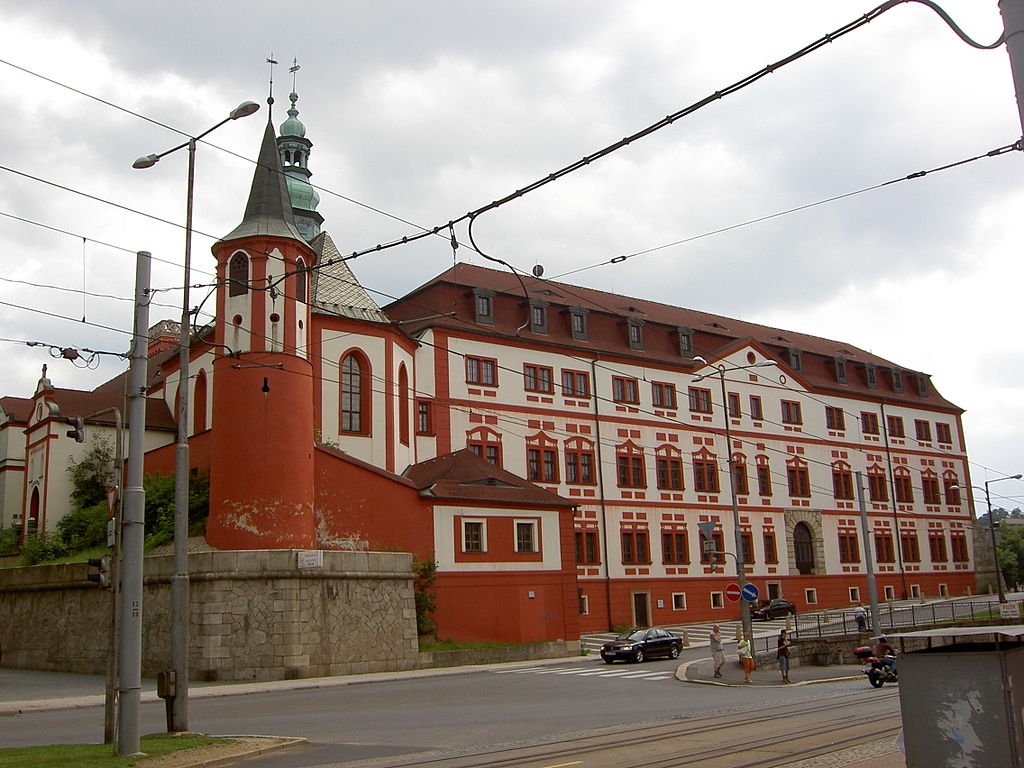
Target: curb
x,y
281,742
682,668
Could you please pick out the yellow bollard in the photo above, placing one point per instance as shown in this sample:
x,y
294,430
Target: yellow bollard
x,y
686,638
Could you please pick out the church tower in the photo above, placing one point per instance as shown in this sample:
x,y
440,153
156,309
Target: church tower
x,y
261,480
294,149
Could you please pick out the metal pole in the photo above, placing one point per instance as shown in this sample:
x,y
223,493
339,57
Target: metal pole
x,y
872,586
741,576
178,712
895,510
133,522
995,548
600,491
110,694
1013,29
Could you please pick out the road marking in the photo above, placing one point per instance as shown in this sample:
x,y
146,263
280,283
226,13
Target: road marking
x,y
563,765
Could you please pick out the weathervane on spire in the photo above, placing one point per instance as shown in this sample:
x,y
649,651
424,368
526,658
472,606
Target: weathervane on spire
x,y
270,99
293,69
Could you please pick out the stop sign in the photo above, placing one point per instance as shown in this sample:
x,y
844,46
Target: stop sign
x,y
733,592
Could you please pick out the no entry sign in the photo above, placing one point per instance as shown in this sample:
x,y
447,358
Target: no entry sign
x,y
733,592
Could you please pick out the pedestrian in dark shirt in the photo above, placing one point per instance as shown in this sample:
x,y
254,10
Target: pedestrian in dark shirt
x,y
783,656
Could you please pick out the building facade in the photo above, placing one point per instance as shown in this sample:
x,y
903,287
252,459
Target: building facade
x,y
554,449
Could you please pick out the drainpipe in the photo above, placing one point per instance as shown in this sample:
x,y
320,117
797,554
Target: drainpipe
x,y
600,493
898,544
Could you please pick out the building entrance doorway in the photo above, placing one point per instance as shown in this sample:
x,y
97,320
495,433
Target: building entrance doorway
x,y
641,609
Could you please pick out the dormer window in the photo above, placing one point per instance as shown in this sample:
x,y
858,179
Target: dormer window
x,y
795,359
840,370
897,381
635,330
922,385
538,316
484,304
871,374
578,323
685,342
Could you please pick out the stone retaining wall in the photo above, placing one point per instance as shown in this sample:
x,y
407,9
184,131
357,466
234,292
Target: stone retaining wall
x,y
254,615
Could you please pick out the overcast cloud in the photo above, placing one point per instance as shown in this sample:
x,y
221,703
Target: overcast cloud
x,y
428,110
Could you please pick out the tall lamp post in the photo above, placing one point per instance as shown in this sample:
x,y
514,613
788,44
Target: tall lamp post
x,y
177,711
741,576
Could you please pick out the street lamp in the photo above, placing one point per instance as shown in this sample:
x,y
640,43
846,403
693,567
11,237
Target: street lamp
x,y
992,530
177,708
741,577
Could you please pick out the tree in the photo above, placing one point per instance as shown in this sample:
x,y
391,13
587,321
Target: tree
x,y
1010,550
86,525
426,597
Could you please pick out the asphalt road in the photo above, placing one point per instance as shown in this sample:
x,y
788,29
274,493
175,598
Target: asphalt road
x,y
468,711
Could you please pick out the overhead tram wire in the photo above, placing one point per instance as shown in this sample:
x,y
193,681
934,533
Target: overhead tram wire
x,y
1015,146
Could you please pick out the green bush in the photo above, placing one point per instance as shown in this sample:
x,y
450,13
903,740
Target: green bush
x,y
84,528
160,506
426,597
9,538
43,547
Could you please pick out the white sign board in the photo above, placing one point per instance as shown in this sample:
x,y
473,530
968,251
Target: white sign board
x,y
311,558
1009,610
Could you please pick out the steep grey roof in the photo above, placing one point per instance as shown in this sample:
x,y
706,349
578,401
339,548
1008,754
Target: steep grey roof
x,y
269,210
336,290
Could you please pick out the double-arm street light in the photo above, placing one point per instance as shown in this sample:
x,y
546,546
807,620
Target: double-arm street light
x,y
177,711
992,529
741,577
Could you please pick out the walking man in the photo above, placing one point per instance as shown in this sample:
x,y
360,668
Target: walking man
x,y
717,651
783,656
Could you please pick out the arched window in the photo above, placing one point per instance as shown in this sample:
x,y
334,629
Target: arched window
x,y
803,548
199,404
355,394
301,281
485,443
238,275
403,405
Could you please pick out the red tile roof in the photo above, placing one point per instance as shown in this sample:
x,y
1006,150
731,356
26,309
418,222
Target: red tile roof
x,y
465,476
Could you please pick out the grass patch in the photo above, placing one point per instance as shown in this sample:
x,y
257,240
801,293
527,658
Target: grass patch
x,y
100,550
100,755
453,645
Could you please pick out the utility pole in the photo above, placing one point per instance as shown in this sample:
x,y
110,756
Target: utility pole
x,y
866,534
133,522
1013,31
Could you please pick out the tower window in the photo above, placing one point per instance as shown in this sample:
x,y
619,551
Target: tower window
x,y
355,395
238,275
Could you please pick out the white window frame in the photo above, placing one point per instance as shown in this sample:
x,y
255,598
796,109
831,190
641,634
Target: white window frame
x,y
915,591
717,601
483,534
811,596
889,592
854,595
533,535
678,601
584,605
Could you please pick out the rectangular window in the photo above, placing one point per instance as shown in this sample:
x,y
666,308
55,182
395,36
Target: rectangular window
x,y
835,418
717,600
718,546
958,546
579,466
895,426
481,371
631,470
674,549
636,334
634,548
473,536
923,430
705,475
678,601
871,375
869,423
840,370
791,412
930,490
897,381
700,400
542,465
663,395
586,548
584,604
795,359
424,423
937,547
952,489
734,405
756,411
811,596
670,472
575,384
904,490
854,595
849,551
943,433
578,324
909,548
526,536
889,592
771,555
842,483
538,318
799,482
877,489
884,552
484,305
764,480
685,342
538,378
747,547
739,478
625,390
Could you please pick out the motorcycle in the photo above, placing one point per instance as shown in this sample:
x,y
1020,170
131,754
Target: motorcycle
x,y
877,671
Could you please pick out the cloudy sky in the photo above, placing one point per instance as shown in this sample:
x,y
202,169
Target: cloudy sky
x,y
423,111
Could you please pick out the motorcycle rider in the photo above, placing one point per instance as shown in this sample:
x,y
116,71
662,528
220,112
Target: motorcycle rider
x,y
886,654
